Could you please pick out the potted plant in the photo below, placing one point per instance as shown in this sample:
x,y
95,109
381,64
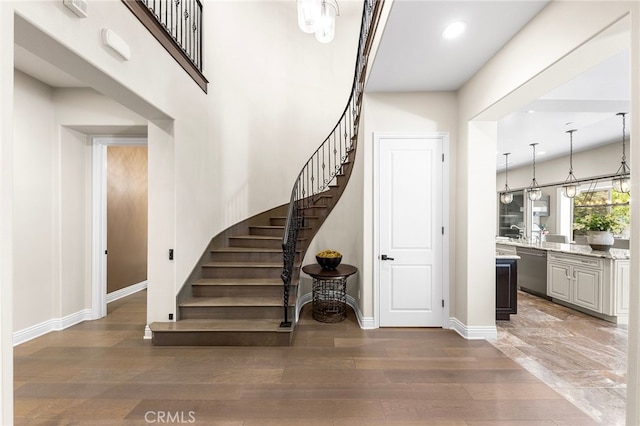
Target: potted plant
x,y
600,229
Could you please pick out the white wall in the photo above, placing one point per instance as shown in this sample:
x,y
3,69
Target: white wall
x,y
276,93
33,204
6,218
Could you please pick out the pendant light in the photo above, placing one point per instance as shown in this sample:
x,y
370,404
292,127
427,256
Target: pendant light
x,y
308,14
621,182
570,186
535,193
326,22
506,196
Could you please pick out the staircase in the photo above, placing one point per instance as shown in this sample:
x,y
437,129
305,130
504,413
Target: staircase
x,y
235,295
236,299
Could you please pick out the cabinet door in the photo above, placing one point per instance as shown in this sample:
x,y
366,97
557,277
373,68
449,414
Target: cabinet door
x,y
559,281
586,288
506,280
622,280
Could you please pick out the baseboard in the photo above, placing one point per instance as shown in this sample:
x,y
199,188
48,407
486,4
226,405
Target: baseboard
x,y
473,332
302,300
127,291
55,324
148,334
366,323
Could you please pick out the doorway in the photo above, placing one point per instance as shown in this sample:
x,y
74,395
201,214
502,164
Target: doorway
x,y
410,211
120,212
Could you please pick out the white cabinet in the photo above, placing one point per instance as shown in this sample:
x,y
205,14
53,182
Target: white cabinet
x,y
587,288
600,285
558,280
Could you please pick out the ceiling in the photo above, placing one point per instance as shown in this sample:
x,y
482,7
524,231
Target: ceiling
x,y
414,57
588,103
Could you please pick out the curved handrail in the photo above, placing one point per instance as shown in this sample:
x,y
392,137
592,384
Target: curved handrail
x,y
327,162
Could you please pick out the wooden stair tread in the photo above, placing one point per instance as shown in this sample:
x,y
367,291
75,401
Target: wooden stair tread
x,y
247,250
256,237
242,265
229,325
197,302
306,217
262,237
267,226
239,281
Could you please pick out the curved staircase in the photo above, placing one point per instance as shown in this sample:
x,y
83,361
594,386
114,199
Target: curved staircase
x,y
235,295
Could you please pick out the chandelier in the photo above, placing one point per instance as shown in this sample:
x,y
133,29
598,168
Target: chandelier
x,y
319,17
570,186
535,193
621,182
506,196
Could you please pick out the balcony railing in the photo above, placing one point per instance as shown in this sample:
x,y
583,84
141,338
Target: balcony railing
x,y
177,25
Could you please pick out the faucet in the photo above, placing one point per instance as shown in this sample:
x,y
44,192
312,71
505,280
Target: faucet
x,y
520,230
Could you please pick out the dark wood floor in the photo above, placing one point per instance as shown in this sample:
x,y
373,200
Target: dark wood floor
x,y
103,372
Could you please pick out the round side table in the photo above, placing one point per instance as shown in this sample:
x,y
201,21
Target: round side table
x,y
329,291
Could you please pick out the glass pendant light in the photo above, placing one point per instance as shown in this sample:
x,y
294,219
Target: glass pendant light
x,y
506,196
535,193
570,186
621,182
308,15
326,27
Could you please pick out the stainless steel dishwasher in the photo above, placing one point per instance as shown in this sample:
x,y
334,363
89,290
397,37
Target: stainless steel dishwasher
x,y
532,271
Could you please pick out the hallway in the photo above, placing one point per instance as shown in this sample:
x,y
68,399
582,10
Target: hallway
x,y
103,372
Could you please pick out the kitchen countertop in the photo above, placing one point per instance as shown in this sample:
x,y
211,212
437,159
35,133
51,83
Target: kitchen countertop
x,y
507,256
583,250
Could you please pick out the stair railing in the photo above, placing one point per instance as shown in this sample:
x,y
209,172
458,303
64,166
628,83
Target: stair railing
x,y
327,162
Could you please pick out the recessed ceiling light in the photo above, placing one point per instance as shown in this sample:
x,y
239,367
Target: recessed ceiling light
x,y
454,29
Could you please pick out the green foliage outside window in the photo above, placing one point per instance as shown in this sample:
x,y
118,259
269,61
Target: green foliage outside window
x,y
604,202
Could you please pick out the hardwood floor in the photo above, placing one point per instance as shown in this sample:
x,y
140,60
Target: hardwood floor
x,y
582,357
103,372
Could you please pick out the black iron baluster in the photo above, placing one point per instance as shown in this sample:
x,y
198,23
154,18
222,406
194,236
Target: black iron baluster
x,y
167,7
309,183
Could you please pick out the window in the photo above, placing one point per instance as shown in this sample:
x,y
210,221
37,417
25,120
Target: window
x,y
602,201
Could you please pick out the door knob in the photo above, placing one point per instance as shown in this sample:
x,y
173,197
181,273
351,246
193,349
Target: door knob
x,y
385,257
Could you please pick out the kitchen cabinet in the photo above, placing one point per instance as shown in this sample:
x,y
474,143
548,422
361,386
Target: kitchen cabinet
x,y
506,288
599,285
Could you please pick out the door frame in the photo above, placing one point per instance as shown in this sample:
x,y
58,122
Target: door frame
x,y
99,217
377,138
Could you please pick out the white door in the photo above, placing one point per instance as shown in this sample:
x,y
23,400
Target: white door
x,y
410,232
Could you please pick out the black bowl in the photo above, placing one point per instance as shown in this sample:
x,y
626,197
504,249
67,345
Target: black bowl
x,y
329,262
